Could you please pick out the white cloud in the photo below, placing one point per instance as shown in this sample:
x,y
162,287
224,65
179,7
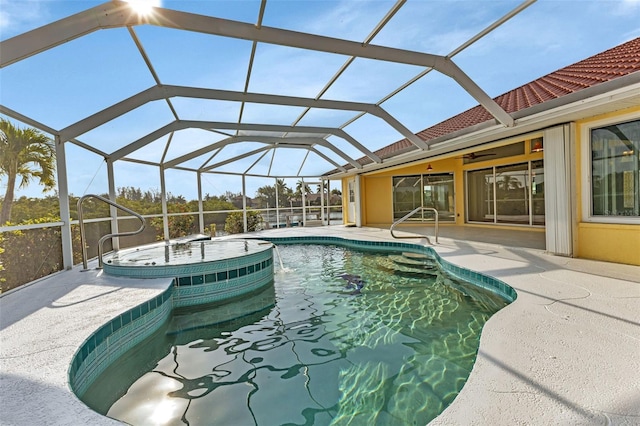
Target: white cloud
x,y
624,7
17,16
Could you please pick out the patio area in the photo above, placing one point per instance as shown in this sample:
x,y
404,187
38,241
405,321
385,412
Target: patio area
x,y
530,238
565,352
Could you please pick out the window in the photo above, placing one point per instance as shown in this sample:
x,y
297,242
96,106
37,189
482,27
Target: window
x,y
512,193
432,190
615,179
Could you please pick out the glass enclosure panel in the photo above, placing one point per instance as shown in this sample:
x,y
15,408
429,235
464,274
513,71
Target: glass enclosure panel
x,y
512,194
614,170
406,195
438,192
537,192
480,188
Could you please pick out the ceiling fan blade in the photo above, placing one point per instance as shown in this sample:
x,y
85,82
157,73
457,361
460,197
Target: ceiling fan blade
x,y
473,156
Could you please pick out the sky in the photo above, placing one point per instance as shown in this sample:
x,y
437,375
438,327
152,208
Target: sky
x,y
63,85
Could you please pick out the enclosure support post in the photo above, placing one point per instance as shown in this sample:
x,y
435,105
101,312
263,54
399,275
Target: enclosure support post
x,y
163,195
65,213
277,206
200,212
322,215
304,203
113,212
358,201
244,203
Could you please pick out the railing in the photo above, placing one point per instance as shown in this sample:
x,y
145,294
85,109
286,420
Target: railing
x,y
407,216
102,240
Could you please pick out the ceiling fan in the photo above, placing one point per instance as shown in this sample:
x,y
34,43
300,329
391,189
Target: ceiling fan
x,y
473,155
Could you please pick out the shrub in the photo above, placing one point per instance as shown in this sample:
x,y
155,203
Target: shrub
x,y
179,226
235,222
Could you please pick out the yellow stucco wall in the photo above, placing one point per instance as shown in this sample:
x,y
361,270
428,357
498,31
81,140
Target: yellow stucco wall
x,y
610,242
377,192
618,243
378,202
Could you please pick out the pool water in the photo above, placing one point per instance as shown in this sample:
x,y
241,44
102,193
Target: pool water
x,y
309,351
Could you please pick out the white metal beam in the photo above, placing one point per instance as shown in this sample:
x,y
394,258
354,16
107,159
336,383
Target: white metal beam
x,y
261,98
167,91
236,158
270,140
298,129
107,15
117,14
160,92
271,147
184,124
306,141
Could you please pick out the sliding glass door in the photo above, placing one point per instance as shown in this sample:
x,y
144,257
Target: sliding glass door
x,y
480,198
438,194
512,194
406,195
433,190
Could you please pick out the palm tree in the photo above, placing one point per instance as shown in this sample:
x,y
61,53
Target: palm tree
x,y
26,154
302,186
284,192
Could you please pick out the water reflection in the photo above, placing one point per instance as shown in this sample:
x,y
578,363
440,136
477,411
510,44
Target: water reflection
x,y
396,354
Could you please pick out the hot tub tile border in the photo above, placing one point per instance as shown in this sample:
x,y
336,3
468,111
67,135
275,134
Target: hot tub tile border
x,y
113,339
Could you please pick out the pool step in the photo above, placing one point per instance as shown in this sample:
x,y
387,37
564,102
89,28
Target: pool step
x,y
413,269
412,255
416,262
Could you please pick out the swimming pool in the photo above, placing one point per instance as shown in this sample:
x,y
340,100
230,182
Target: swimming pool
x,y
310,350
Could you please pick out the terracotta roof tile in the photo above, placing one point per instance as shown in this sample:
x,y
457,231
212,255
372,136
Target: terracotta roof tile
x,y
605,66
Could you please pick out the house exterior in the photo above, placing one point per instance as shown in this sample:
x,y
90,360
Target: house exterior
x,y
569,167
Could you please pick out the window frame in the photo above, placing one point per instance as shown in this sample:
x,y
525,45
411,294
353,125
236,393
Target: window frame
x,y
586,166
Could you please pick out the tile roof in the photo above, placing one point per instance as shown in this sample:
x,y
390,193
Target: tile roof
x,y
602,67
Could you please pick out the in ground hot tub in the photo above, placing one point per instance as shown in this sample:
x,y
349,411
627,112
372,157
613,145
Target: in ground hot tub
x,y
204,271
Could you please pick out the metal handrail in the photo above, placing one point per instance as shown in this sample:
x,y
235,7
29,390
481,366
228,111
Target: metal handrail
x,y
102,240
407,216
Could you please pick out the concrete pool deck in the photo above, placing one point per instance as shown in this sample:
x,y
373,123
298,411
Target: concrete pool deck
x,y
567,351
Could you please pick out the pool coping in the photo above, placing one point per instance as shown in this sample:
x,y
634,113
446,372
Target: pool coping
x,y
541,359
